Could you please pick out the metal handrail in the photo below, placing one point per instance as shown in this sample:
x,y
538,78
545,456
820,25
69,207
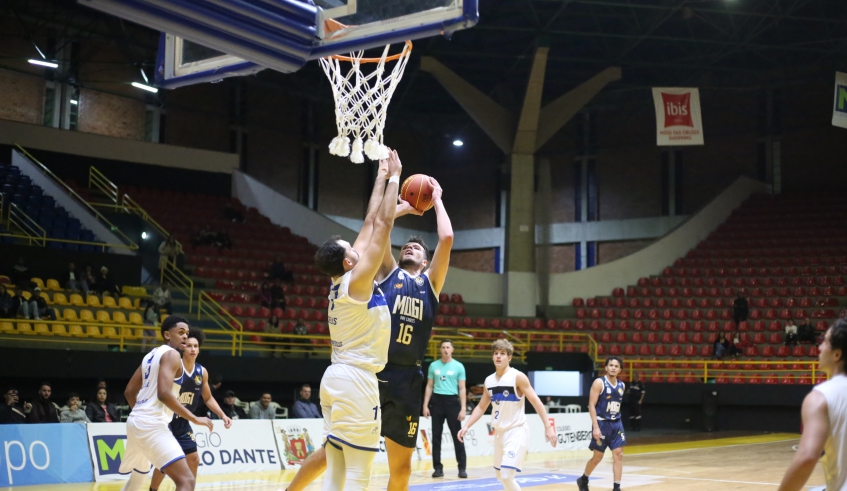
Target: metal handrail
x,y
218,315
173,275
101,245
69,190
712,367
33,232
129,205
119,330
98,180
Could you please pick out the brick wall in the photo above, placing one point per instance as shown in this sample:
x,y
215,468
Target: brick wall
x,y
110,115
609,251
481,260
21,97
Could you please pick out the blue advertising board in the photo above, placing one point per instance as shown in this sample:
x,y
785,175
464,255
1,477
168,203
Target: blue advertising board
x,y
44,454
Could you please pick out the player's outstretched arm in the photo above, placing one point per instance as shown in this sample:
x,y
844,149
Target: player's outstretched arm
x,y
527,390
373,205
361,281
593,397
388,262
477,413
169,365
211,403
437,272
815,434
133,387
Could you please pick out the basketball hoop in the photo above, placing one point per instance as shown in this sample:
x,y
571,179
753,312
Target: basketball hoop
x,y
361,102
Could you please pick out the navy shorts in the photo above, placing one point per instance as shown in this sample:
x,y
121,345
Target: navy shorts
x,y
611,436
400,400
184,434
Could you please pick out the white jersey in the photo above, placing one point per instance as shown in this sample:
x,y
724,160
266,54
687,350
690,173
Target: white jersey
x,y
148,409
834,459
508,409
360,330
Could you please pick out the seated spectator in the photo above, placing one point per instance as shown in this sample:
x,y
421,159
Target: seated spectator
x,y
88,276
230,212
722,346
263,408
266,298
11,411
790,333
806,331
162,298
202,237
36,307
278,271
101,410
72,412
8,304
230,409
20,275
42,409
278,295
740,308
150,317
731,348
739,343
304,407
105,285
300,329
274,326
168,251
73,280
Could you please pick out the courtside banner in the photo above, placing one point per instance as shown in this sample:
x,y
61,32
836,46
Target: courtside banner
x,y
839,110
678,117
43,454
248,446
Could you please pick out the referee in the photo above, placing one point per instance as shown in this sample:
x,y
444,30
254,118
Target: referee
x,y
445,399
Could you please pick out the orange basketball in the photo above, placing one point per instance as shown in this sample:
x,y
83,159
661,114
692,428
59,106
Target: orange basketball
x,y
417,191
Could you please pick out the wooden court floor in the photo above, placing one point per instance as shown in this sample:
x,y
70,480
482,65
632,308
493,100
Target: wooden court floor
x,y
691,463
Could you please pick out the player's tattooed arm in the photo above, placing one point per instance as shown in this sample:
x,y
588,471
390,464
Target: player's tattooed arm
x,y
477,413
132,388
526,389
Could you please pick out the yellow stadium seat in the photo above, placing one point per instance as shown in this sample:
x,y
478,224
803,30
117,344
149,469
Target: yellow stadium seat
x,y
77,300
25,328
47,298
69,315
60,330
38,282
42,329
103,316
93,332
53,285
76,331
135,318
129,333
109,302
110,332
125,303
93,301
60,299
137,303
86,316
7,328
119,318
26,295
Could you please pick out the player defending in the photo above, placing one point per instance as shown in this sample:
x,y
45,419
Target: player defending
x,y
824,419
604,405
195,385
360,330
507,387
152,394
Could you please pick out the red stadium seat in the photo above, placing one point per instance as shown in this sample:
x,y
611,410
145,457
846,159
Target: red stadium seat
x,y
524,324
751,351
768,351
652,338
682,338
645,350
690,351
667,338
621,337
566,325
798,351
698,338
775,338
637,337
759,338
675,350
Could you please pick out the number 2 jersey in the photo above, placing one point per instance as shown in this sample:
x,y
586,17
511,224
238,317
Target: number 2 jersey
x,y
609,402
413,305
507,408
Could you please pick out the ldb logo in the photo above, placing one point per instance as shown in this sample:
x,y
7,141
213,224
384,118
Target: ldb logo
x,y
841,98
110,452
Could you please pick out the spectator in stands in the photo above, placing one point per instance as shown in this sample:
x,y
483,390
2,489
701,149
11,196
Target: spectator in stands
x,y
265,295
168,251
263,408
232,213
20,275
740,307
740,343
8,304
72,412
230,409
300,329
101,410
278,271
88,277
722,345
806,331
42,410
469,404
791,333
204,236
162,298
72,280
11,411
150,319
105,285
731,348
304,407
274,326
36,307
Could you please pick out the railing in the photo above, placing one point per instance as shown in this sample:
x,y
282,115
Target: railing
x,y
223,319
179,280
711,369
108,334
129,205
2,209
32,231
98,180
114,229
476,343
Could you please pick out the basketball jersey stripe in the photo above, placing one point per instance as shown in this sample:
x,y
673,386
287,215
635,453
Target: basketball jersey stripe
x,y
507,409
359,330
148,408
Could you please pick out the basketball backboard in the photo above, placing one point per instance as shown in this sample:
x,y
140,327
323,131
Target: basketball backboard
x,y
210,40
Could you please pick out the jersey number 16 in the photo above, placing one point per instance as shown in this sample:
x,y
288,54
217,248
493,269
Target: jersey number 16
x,y
405,334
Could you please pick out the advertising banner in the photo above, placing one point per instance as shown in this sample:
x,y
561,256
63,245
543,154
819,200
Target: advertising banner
x,y
678,117
43,454
839,110
248,446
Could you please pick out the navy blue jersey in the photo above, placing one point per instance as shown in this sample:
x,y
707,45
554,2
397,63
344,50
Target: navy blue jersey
x,y
191,392
609,402
413,305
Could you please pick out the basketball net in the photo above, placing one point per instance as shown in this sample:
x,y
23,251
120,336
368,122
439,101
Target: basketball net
x,y
361,101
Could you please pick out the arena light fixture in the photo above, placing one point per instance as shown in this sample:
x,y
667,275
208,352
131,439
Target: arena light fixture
x,y
74,102
145,87
458,143
143,235
48,64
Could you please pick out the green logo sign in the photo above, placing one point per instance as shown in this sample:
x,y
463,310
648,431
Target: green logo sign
x,y
110,453
841,98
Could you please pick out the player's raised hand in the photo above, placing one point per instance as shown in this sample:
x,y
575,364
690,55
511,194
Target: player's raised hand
x,y
227,421
436,189
404,208
203,421
382,171
551,436
461,435
395,167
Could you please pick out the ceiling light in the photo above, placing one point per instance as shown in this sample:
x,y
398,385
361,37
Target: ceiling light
x,y
458,143
145,87
74,102
48,64
143,235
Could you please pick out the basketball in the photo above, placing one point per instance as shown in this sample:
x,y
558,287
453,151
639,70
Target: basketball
x,y
417,191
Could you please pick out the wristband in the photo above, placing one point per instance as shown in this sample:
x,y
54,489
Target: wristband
x,y
394,179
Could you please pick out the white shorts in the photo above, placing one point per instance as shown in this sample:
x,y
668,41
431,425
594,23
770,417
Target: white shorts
x,y
350,406
148,444
510,447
